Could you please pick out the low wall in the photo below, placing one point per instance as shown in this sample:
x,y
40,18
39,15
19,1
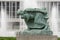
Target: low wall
x,y
35,37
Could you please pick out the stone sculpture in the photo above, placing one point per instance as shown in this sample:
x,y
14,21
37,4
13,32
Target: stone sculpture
x,y
36,20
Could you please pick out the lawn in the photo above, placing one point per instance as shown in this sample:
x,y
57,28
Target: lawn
x,y
11,38
7,38
58,38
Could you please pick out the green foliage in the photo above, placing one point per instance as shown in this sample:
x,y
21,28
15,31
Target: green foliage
x,y
7,38
58,38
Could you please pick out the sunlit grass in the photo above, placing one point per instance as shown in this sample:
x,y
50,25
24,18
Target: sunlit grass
x,y
11,38
58,38
7,38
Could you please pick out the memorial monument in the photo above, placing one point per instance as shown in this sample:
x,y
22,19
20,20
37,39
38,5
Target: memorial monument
x,y
36,20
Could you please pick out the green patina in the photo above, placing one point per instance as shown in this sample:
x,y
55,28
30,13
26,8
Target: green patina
x,y
36,20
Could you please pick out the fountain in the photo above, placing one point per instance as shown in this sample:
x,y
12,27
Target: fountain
x,y
36,21
4,25
54,20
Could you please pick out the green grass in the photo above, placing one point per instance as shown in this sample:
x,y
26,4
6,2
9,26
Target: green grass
x,y
58,38
11,38
7,38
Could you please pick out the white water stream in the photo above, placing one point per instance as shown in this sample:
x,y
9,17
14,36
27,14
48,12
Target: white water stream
x,y
4,25
27,4
54,20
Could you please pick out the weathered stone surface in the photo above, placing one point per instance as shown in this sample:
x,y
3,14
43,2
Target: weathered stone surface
x,y
35,37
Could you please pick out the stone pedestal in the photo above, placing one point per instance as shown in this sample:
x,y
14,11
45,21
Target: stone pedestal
x,y
35,37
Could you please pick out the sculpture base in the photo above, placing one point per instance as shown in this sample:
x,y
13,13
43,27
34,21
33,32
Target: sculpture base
x,y
36,32
35,37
